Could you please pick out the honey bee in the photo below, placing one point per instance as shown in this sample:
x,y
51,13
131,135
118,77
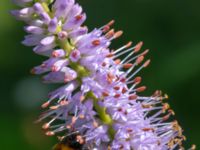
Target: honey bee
x,y
72,142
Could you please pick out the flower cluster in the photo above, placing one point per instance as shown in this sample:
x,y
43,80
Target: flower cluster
x,y
99,101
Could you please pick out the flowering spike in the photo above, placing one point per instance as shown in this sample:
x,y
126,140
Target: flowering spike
x,y
98,104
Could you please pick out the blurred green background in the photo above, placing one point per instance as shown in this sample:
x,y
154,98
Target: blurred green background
x,y
170,28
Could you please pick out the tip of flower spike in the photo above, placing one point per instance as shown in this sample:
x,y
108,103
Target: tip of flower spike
x,y
138,47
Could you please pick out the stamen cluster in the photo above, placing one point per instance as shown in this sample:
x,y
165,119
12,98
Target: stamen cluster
x,y
99,101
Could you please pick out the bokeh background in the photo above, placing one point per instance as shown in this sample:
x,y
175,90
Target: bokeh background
x,y
169,28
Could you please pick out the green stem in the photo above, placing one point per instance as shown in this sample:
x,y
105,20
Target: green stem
x,y
81,71
102,114
46,7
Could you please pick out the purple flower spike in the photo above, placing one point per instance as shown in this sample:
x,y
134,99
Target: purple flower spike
x,y
99,104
